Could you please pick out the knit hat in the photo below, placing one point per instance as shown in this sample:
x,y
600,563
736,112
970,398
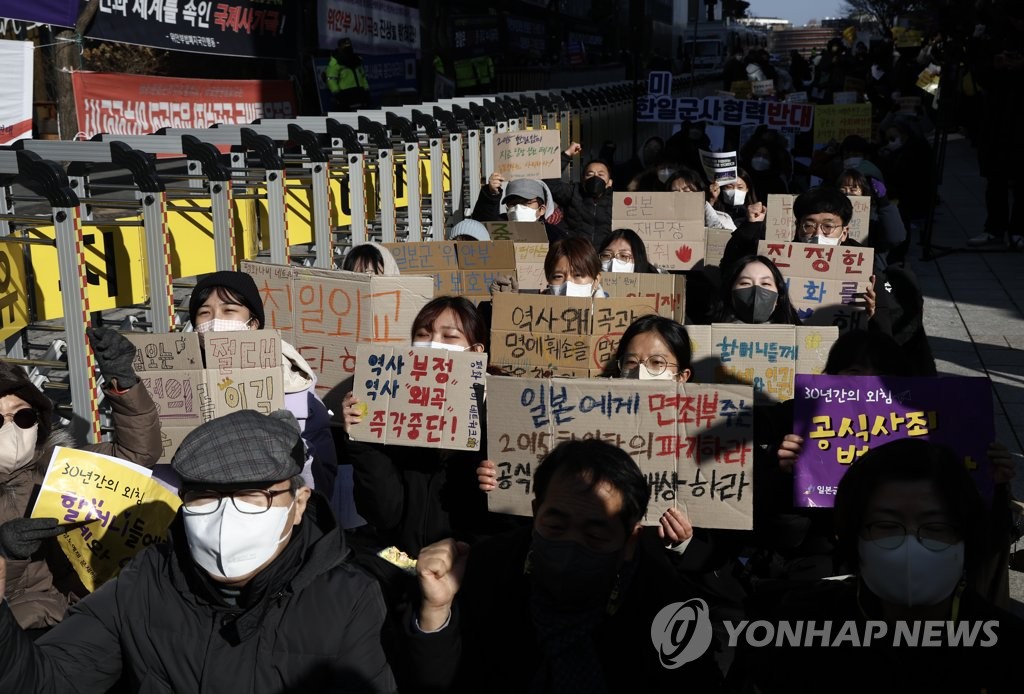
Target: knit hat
x,y
14,381
240,284
243,447
471,227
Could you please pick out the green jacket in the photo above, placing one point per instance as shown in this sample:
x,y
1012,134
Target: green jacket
x,y
341,77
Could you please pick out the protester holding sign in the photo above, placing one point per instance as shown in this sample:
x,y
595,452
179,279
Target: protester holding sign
x,y
525,199
572,599
910,526
573,268
27,440
254,592
624,251
414,496
754,291
229,300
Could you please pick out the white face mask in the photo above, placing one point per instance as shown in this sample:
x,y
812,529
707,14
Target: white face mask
x,y
574,289
440,345
735,197
523,213
222,325
852,162
760,163
17,446
827,240
877,72
621,266
645,375
911,575
231,544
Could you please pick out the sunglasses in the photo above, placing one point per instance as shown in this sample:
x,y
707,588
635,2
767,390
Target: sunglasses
x,y
25,419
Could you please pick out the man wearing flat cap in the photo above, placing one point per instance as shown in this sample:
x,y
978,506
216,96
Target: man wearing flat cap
x,y
254,591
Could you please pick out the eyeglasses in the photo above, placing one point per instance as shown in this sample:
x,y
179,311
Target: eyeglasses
x,y
203,502
624,256
656,364
892,534
810,228
25,418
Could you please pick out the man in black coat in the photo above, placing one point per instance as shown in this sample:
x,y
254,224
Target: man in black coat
x,y
587,205
254,592
567,606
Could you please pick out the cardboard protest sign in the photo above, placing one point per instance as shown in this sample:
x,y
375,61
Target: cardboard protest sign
x,y
824,281
720,167
714,246
742,89
667,291
796,98
242,371
541,335
833,123
692,442
535,154
524,232
530,266
422,397
112,509
842,417
768,357
670,224
780,222
762,87
324,314
465,268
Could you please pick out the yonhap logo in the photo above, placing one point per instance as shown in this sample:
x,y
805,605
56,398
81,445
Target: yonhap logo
x,y
681,632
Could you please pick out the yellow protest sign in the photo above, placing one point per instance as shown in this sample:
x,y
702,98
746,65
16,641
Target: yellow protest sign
x,y
13,295
835,122
112,510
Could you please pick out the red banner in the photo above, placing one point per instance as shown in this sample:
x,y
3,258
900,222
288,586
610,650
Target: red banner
x,y
141,105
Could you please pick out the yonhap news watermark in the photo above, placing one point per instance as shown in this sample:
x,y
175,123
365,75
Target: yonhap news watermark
x,y
682,632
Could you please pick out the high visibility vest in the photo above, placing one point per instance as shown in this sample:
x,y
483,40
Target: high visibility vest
x,y
484,68
341,77
438,65
465,75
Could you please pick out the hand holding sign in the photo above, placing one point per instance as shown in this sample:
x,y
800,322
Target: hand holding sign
x,y
20,538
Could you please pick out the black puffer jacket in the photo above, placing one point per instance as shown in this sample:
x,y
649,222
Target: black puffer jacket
x,y
310,621
587,217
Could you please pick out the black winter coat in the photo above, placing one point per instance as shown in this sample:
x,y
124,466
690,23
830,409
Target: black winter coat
x,y
585,217
310,621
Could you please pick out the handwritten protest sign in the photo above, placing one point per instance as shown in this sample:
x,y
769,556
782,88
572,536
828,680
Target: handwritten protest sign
x,y
768,357
519,232
14,299
541,335
832,123
532,154
714,246
242,371
719,167
762,88
824,281
842,417
670,224
413,396
667,291
693,442
112,509
780,221
741,89
324,314
530,266
465,268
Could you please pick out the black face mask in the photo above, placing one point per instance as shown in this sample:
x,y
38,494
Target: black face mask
x,y
573,576
754,304
594,186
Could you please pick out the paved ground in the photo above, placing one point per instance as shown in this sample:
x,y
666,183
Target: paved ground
x,y
974,308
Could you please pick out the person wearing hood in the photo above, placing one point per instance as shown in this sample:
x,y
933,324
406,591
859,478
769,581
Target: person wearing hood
x,y
254,592
229,301
469,230
587,205
346,78
525,200
372,259
40,583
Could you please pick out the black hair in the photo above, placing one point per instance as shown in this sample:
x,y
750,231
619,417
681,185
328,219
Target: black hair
x,y
862,181
602,162
366,256
597,461
688,176
636,244
870,350
199,297
473,325
908,460
821,199
582,256
749,199
674,335
784,312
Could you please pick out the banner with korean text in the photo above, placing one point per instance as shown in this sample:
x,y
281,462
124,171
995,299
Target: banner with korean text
x,y
141,105
692,442
374,26
15,91
842,417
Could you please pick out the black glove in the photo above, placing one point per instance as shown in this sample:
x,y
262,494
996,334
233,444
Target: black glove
x,y
20,538
114,355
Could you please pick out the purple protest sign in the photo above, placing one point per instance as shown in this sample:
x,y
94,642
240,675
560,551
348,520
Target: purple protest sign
x,y
841,417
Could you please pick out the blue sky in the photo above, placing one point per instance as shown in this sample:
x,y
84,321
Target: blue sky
x,y
796,11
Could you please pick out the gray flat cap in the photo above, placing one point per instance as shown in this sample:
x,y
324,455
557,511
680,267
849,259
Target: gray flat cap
x,y
525,188
240,448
